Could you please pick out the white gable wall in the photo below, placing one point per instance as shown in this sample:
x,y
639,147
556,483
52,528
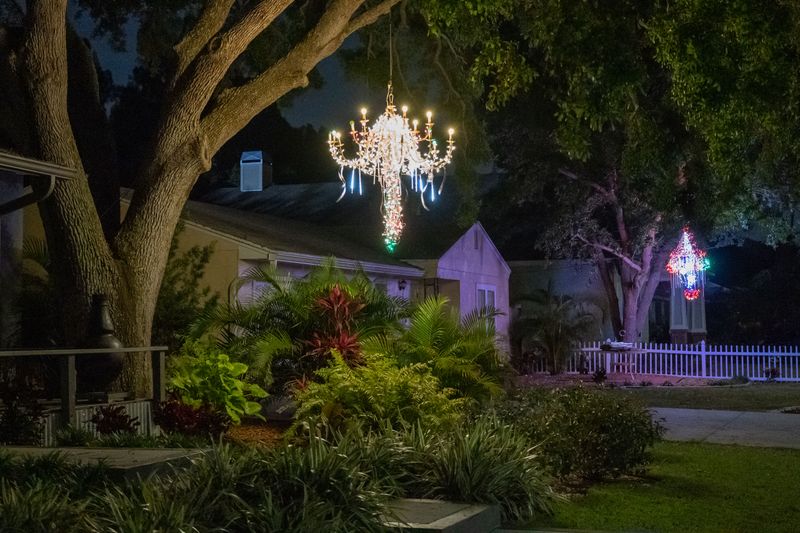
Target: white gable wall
x,y
476,263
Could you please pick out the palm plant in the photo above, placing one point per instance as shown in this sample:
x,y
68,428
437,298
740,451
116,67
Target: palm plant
x,y
554,324
292,327
461,352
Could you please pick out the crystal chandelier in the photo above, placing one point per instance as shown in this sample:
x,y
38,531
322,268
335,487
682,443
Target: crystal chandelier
x,y
688,263
393,147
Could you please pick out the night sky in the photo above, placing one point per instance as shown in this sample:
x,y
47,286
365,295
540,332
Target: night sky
x,y
332,107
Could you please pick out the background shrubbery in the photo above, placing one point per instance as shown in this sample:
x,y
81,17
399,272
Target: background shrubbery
x,y
584,434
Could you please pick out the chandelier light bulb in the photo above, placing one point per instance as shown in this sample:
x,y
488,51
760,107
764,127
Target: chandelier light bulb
x,y
389,150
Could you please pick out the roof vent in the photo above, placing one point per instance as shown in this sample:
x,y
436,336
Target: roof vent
x,y
251,171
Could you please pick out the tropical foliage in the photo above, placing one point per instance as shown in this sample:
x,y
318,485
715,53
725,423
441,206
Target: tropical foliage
x,y
290,327
484,461
376,394
461,352
182,296
550,325
203,376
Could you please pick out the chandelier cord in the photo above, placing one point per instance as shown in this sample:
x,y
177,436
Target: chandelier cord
x,y
391,52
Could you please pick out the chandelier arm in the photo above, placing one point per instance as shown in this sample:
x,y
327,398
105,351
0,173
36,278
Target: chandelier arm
x,y
422,196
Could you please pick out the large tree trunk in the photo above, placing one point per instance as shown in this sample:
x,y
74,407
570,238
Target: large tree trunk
x,y
90,255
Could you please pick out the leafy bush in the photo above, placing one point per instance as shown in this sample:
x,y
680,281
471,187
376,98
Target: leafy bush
x,y
585,434
375,394
485,462
287,332
175,417
39,507
599,376
461,353
21,415
73,436
552,324
110,419
202,376
289,490
735,380
181,297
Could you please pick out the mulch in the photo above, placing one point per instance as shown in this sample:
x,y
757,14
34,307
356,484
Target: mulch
x,y
266,434
617,379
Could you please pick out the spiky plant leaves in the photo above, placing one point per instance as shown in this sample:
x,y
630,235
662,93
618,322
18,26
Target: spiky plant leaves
x,y
482,462
275,331
39,507
553,323
462,353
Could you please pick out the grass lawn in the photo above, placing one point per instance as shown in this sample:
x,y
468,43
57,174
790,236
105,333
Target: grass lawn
x,y
695,487
752,397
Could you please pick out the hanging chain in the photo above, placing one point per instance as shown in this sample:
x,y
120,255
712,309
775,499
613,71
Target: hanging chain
x,y
389,92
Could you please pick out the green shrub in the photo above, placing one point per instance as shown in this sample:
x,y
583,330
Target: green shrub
x,y
584,434
376,394
287,332
461,352
73,436
21,415
203,376
289,490
74,480
41,507
735,380
482,462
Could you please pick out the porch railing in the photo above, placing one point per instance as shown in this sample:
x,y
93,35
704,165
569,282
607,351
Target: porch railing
x,y
68,378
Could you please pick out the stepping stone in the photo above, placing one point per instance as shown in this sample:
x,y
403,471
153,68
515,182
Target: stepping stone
x,y
436,516
128,462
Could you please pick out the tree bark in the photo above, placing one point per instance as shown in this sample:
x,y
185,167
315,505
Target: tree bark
x,y
127,264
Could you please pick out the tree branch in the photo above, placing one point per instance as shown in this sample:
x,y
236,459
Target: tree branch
x,y
203,75
370,16
212,19
235,107
633,264
596,186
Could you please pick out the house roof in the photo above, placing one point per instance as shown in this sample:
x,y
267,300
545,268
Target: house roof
x,y
355,218
291,240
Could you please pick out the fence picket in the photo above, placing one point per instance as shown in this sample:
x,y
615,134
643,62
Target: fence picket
x,y
686,360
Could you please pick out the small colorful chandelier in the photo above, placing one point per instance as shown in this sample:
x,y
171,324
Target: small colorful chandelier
x,y
388,150
688,263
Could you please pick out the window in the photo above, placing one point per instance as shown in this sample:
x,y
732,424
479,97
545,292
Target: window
x,y
486,296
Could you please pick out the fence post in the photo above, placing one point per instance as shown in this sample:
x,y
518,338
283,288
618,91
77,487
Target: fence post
x,y
703,358
68,389
159,375
608,363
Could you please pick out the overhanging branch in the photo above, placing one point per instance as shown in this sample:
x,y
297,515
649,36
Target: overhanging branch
x,y
630,262
235,107
212,19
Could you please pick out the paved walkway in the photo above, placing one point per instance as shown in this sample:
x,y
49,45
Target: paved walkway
x,y
775,430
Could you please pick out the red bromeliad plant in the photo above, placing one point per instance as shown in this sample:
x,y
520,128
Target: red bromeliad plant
x,y
338,311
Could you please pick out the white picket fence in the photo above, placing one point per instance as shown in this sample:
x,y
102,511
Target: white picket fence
x,y
687,361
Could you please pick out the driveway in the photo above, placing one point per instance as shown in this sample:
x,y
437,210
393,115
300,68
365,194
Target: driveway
x,y
774,430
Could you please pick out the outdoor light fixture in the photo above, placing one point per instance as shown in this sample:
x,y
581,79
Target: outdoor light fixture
x,y
688,263
387,150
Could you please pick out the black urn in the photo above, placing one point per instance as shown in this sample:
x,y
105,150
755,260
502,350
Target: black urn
x,y
95,373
